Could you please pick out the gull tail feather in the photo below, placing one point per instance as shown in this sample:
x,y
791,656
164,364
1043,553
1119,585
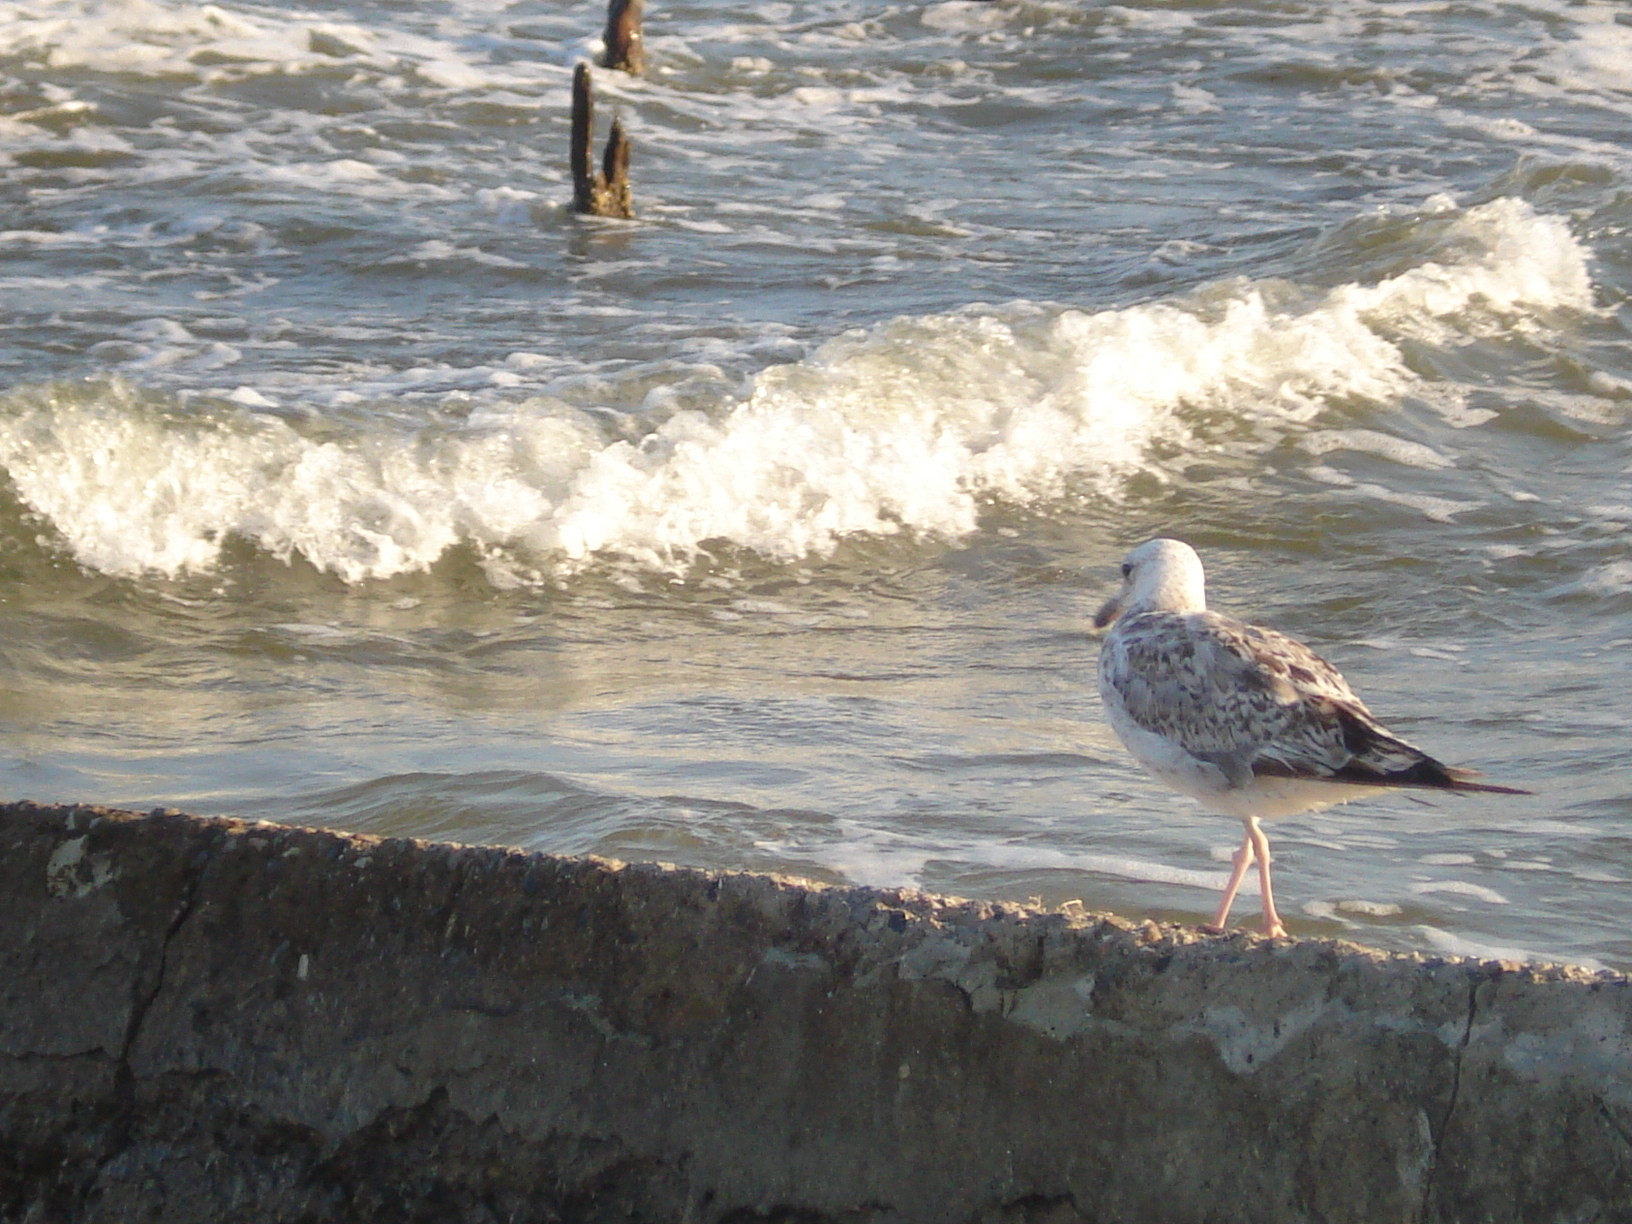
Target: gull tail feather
x,y
1382,758
1460,782
1379,758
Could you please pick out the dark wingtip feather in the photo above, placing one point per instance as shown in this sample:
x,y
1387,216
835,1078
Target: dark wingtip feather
x,y
1462,780
1426,774
1373,746
1462,784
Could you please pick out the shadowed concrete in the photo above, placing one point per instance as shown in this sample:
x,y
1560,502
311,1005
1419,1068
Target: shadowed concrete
x,y
208,1020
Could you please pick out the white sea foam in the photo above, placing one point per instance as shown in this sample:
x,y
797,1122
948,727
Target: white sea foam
x,y
1371,441
1447,860
1524,263
1370,909
213,42
1452,944
1460,888
1029,856
1599,57
910,426
1610,578
1435,509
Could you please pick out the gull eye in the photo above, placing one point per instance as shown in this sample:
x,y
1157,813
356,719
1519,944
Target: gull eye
x,y
1126,569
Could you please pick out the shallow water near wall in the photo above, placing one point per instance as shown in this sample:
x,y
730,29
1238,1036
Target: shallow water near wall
x,y
349,480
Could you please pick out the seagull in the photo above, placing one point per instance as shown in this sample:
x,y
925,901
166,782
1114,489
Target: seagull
x,y
1246,721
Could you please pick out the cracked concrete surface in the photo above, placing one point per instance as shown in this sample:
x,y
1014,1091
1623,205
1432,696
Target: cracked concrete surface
x,y
207,1020
1437,1136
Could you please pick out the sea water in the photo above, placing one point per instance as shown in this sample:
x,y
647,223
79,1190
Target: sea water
x,y
349,479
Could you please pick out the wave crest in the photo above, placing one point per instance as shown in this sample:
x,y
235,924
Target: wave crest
x,y
907,426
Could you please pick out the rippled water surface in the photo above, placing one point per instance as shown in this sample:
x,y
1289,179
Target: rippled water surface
x,y
350,480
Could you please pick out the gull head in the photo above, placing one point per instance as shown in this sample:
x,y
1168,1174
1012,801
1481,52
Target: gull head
x,y
1158,576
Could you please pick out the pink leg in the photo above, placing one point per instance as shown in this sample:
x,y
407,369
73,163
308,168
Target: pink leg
x,y
1260,845
1242,860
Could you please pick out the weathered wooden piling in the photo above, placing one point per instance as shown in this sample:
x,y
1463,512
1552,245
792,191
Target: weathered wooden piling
x,y
625,45
604,192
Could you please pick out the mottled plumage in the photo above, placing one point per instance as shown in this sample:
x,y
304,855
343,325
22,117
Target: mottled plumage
x,y
1245,720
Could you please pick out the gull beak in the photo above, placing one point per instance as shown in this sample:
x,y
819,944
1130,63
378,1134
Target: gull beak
x,y
1111,610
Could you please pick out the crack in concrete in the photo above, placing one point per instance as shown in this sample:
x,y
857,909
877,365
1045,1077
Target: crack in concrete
x,y
143,1003
124,1078
1608,1116
1444,1126
446,916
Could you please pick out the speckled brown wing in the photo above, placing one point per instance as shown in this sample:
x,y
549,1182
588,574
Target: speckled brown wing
x,y
1257,703
1332,737
1230,693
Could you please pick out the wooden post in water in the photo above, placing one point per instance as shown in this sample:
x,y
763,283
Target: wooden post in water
x,y
625,45
602,193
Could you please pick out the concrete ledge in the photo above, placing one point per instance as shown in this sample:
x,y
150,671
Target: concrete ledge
x,y
208,1020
